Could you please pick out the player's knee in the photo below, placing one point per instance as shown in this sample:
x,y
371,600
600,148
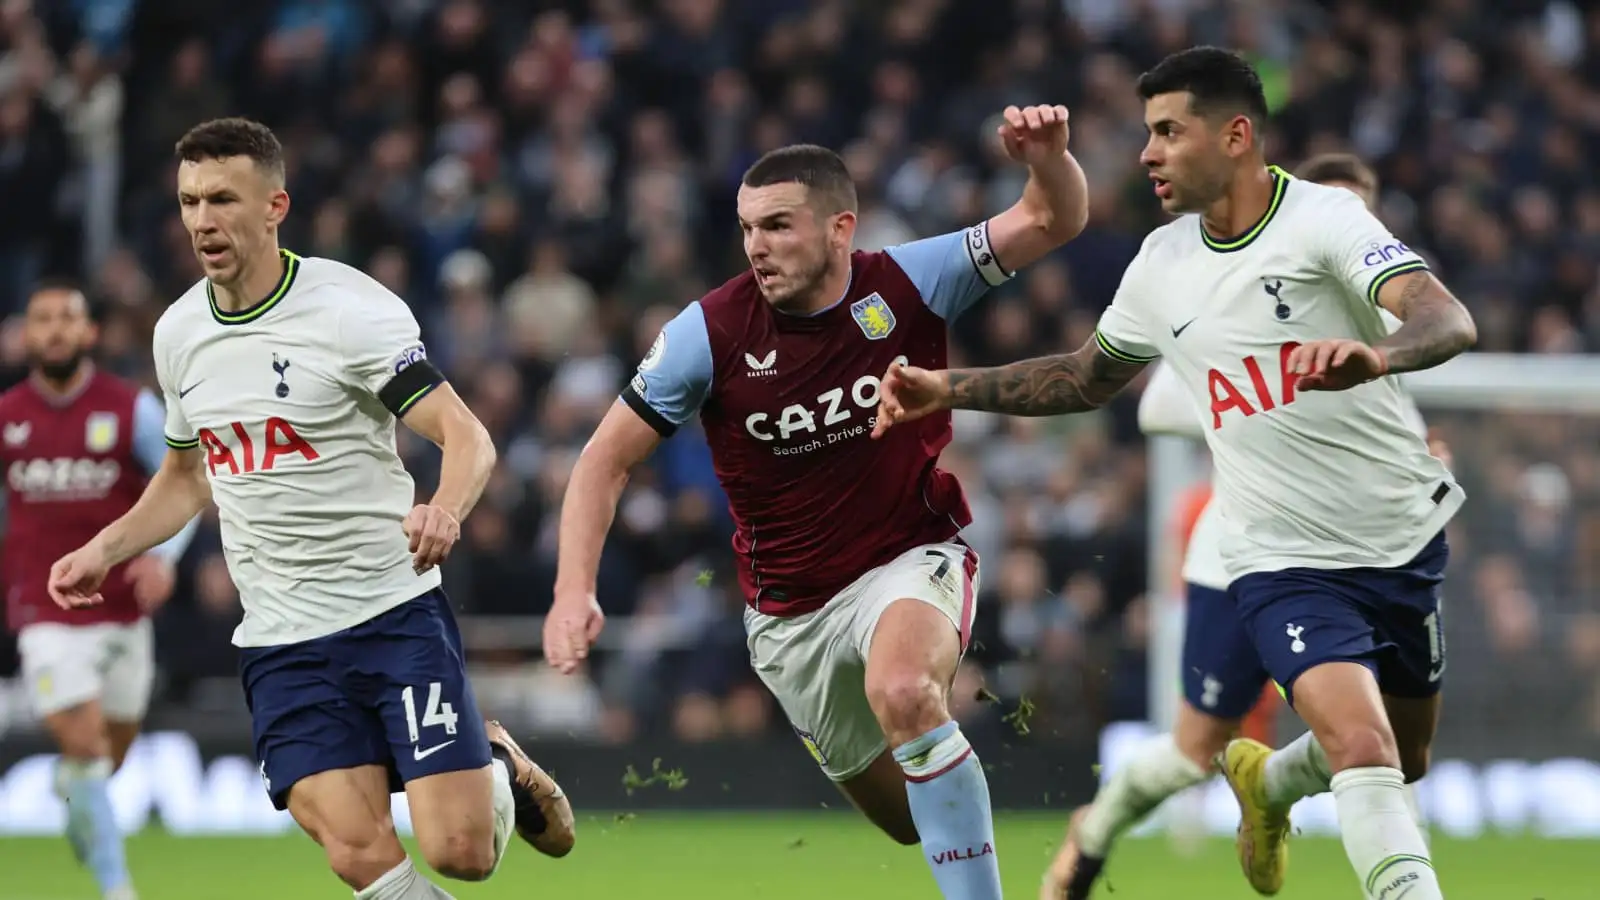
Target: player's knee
x,y
463,854
361,860
1359,746
907,706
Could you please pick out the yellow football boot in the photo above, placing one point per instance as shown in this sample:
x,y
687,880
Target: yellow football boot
x,y
1263,839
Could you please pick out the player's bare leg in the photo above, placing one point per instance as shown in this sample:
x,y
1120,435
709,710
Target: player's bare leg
x,y
465,819
1415,721
914,653
82,779
1161,767
460,831
347,812
120,736
880,794
1350,724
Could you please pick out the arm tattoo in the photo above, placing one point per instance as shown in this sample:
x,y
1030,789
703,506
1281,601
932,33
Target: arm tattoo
x,y
1047,386
1437,327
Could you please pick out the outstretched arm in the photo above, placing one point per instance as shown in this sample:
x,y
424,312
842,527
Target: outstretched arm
x,y
1047,386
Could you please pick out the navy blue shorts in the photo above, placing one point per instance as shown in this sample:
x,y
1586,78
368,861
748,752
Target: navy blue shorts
x,y
1222,672
1385,619
391,691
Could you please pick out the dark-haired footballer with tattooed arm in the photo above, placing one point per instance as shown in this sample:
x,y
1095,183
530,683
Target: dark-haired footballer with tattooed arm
x,y
1264,296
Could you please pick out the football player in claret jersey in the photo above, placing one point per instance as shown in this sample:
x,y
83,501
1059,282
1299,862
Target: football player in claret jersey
x,y
284,377
859,590
1264,296
78,445
1222,674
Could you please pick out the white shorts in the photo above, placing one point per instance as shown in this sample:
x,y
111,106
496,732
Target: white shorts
x,y
66,665
816,664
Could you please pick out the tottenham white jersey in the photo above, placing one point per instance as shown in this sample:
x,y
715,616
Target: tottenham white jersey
x,y
1165,408
283,401
1320,479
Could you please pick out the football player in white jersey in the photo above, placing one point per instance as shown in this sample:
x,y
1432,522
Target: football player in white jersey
x,y
1222,673
1264,297
284,377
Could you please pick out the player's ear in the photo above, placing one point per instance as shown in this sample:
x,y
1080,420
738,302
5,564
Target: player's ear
x,y
842,227
277,207
1239,135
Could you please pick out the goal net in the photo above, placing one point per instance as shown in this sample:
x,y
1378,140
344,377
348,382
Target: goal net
x,y
1520,736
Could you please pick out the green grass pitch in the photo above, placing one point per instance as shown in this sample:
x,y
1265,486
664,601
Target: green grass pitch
x,y
833,856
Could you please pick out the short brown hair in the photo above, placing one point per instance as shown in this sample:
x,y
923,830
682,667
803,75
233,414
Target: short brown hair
x,y
821,170
224,138
1348,167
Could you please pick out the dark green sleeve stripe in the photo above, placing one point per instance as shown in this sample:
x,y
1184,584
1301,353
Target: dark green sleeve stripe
x,y
176,444
1111,350
1390,274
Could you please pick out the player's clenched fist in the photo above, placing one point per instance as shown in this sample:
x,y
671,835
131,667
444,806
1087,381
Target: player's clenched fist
x,y
908,393
432,531
75,578
1034,134
1335,365
572,627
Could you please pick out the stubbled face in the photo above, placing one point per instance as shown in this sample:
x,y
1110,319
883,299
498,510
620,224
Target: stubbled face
x,y
1189,157
789,244
231,209
1368,197
58,332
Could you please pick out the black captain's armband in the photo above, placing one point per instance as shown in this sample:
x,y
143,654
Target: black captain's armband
x,y
409,385
633,395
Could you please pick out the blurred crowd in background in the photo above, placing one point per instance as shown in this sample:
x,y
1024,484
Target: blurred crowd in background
x,y
548,182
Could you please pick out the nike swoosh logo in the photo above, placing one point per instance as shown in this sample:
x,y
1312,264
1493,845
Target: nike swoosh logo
x,y
1175,332
421,754
185,392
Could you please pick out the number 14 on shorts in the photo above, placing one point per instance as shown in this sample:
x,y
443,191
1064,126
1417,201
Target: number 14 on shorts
x,y
434,713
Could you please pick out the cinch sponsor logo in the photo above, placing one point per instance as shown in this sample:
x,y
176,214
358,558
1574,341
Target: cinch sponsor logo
x,y
1378,254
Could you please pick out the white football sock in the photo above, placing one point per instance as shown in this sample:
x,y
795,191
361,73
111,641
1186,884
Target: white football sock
x,y
402,883
1296,771
1380,836
505,810
1153,772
